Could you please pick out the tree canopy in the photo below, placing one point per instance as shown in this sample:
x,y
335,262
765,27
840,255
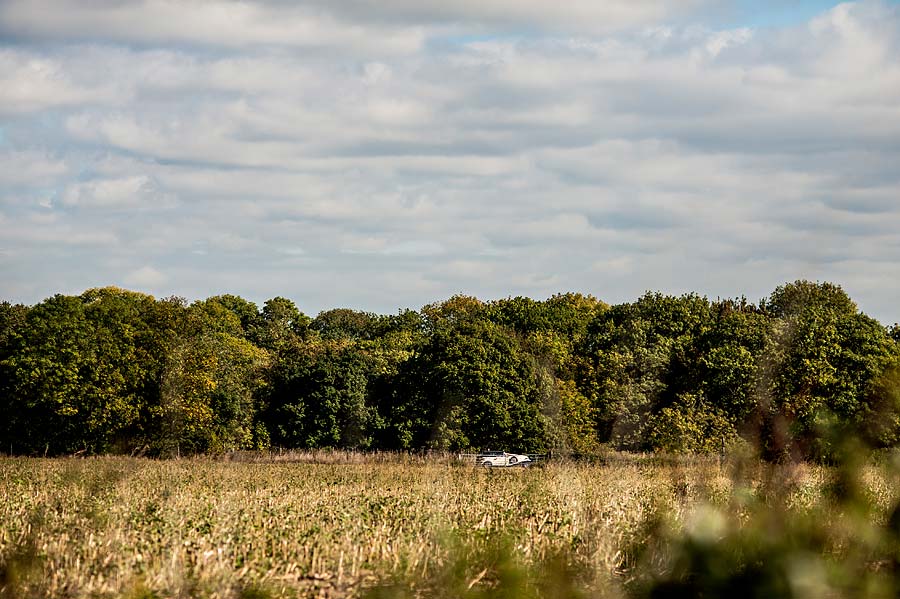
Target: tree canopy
x,y
113,370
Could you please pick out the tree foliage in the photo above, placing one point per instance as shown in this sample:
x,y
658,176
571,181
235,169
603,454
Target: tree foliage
x,y
112,370
470,385
319,398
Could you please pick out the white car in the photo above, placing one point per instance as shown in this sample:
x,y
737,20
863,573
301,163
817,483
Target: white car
x,y
490,459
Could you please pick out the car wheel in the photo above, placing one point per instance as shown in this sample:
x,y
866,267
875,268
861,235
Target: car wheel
x,y
513,459
486,464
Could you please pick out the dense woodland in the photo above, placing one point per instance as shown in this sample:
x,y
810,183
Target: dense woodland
x,y
117,371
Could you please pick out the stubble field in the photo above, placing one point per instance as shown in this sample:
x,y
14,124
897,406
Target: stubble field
x,y
336,525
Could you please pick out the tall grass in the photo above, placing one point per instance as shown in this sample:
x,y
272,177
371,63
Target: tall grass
x,y
341,525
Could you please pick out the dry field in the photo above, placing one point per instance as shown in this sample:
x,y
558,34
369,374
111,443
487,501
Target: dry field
x,y
343,525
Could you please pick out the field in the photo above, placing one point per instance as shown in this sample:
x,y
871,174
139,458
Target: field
x,y
336,525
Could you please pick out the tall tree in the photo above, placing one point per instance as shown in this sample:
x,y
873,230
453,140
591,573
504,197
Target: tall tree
x,y
343,323
82,368
318,397
210,386
246,311
640,358
281,326
12,322
470,385
822,358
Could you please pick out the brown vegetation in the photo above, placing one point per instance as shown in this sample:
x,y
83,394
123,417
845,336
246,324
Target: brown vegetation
x,y
335,525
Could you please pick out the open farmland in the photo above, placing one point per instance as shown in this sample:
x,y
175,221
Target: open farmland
x,y
339,525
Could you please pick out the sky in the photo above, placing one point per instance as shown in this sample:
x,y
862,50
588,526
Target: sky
x,y
385,155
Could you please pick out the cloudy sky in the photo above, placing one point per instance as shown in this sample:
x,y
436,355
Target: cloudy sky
x,y
380,155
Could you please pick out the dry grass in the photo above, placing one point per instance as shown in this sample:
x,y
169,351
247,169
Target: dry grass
x,y
337,526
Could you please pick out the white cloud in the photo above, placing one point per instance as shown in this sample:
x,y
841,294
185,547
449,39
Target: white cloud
x,y
34,235
391,25
29,167
31,83
199,22
145,277
581,15
464,156
111,193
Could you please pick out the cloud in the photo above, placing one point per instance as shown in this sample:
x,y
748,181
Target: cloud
x,y
35,235
582,15
29,168
389,26
131,191
31,83
198,22
391,154
145,277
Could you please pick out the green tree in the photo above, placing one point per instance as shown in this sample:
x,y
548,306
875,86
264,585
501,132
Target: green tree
x,y
470,385
319,396
878,421
690,425
12,322
567,314
576,419
210,386
637,359
81,371
728,361
281,326
457,309
246,311
549,332
822,359
894,332
343,323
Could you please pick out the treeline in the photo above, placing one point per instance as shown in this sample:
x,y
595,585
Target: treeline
x,y
112,370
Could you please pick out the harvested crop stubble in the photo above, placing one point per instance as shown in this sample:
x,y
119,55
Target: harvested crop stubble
x,y
110,527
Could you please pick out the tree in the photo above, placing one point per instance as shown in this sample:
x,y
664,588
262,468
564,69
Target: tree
x,y
281,326
457,309
210,386
12,322
246,311
45,364
549,330
822,360
690,425
878,422
728,362
577,418
637,359
318,398
343,323
114,370
81,370
566,314
470,385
